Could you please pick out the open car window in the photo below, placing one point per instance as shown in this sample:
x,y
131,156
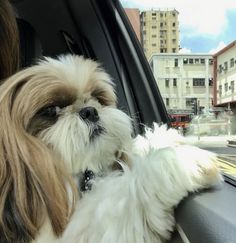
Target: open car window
x,y
192,53
195,74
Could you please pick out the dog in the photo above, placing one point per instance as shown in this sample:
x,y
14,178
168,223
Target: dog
x,y
70,170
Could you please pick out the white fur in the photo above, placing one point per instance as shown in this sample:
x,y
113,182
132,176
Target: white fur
x,y
136,205
70,136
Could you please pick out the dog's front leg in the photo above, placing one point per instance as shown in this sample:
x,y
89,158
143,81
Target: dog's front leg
x,y
136,206
172,172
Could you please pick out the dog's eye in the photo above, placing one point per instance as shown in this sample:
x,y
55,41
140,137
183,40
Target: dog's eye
x,y
102,97
50,111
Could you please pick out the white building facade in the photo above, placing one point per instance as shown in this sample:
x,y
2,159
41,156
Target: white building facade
x,y
225,77
184,79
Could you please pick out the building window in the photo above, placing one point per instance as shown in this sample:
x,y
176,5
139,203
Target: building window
x,y
167,101
198,82
176,62
202,61
174,50
173,32
190,60
196,61
210,81
154,18
185,61
163,50
154,36
162,33
173,41
220,90
226,87
161,14
173,14
174,82
225,66
167,82
154,14
154,27
211,61
154,44
220,68
161,24
173,24
189,101
232,62
232,86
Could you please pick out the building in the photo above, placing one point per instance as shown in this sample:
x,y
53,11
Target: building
x,y
160,31
184,80
225,77
134,18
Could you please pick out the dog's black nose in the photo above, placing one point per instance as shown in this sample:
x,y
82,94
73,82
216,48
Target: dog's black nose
x,y
89,113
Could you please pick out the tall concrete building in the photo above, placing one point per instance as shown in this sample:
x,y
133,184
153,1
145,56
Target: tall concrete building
x,y
160,31
134,18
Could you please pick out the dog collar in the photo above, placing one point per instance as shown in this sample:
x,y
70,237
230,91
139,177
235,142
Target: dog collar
x,y
86,180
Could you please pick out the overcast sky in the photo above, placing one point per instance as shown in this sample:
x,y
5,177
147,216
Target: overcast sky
x,y
205,25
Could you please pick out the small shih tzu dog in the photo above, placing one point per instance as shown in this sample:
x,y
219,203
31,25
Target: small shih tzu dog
x,y
61,130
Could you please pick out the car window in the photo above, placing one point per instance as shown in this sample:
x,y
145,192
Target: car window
x,y
192,54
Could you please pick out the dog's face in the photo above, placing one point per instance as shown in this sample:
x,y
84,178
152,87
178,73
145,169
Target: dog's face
x,y
55,116
71,106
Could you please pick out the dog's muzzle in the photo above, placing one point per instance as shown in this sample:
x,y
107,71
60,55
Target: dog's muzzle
x,y
90,116
96,130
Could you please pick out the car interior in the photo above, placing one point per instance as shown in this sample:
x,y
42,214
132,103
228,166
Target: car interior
x,y
99,29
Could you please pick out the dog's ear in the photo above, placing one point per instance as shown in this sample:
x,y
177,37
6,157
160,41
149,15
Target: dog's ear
x,y
34,185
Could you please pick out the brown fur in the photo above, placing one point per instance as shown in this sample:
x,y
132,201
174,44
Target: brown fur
x,y
34,183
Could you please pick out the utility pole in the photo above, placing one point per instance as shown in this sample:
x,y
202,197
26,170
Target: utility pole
x,y
207,83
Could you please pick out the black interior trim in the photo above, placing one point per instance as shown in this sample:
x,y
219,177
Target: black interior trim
x,y
145,95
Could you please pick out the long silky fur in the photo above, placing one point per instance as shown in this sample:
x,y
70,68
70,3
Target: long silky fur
x,y
37,196
34,184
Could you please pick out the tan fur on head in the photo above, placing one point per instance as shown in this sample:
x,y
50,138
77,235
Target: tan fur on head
x,y
47,135
34,184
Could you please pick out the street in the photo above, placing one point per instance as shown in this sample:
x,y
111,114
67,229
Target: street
x,y
222,150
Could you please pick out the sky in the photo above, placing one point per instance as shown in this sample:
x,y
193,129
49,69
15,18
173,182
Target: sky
x,y
206,26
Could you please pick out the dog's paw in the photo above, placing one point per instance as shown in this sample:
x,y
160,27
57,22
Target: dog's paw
x,y
208,171
201,167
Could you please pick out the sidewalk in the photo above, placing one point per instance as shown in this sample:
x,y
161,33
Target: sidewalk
x,y
217,141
